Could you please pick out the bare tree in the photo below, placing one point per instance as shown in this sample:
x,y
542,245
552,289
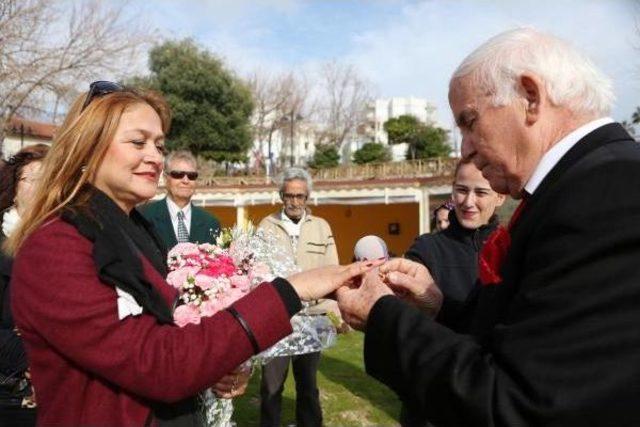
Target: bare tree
x,y
343,101
293,114
46,50
269,96
281,106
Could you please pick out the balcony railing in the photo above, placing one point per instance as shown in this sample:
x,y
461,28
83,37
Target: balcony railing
x,y
230,181
424,168
407,169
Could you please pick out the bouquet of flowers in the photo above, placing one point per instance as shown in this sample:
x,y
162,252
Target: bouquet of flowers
x,y
210,278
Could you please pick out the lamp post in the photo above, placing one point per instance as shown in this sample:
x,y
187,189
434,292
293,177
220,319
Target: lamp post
x,y
269,165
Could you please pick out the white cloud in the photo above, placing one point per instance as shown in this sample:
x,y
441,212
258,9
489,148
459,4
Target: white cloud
x,y
416,53
414,49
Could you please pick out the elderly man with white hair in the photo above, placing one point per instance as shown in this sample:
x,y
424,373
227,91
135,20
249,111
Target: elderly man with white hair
x,y
309,241
552,337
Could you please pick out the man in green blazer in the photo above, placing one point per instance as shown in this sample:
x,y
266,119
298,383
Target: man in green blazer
x,y
175,218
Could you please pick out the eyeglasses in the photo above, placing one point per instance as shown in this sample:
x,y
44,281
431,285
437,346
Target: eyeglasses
x,y
100,88
291,197
181,174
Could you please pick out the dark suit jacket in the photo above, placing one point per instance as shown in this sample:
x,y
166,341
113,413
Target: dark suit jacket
x,y
204,226
557,343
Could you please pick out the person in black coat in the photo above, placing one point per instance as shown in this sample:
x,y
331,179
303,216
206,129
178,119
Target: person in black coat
x,y
451,255
554,338
17,177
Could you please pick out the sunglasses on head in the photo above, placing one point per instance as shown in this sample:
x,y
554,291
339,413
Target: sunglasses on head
x,y
100,88
181,174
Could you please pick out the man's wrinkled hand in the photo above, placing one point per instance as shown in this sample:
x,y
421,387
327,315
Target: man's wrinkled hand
x,y
356,302
412,282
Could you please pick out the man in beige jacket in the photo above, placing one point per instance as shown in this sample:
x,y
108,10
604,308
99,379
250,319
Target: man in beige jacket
x,y
309,241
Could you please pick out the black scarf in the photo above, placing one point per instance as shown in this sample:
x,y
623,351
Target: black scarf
x,y
118,242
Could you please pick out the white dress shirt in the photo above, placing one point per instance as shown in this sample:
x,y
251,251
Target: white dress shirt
x,y
553,156
173,213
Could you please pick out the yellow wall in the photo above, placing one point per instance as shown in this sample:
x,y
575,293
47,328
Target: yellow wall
x,y
349,223
226,215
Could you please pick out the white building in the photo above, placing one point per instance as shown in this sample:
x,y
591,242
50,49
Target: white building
x,y
304,137
382,110
295,147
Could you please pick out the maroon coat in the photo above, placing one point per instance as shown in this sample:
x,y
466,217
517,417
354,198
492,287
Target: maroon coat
x,y
89,368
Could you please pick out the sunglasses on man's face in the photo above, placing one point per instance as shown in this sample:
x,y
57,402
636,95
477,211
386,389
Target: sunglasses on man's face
x,y
100,88
181,174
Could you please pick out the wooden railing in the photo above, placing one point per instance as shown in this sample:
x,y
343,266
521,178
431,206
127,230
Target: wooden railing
x,y
406,169
229,181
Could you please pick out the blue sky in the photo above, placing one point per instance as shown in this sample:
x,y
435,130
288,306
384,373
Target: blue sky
x,y
404,48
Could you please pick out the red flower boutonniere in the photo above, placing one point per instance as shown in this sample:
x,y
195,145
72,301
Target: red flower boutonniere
x,y
495,250
493,255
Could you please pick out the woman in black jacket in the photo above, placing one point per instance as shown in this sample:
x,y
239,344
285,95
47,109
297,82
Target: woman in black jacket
x,y
451,255
17,176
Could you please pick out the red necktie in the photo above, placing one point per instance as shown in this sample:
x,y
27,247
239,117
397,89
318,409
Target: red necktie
x,y
495,250
518,211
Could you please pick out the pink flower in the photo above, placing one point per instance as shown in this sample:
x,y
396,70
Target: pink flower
x,y
223,265
207,247
192,259
230,296
259,272
185,314
178,278
184,249
210,307
241,282
204,281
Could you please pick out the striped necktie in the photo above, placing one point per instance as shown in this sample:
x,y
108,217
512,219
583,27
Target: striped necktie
x,y
183,234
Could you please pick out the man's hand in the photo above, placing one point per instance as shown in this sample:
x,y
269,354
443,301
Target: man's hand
x,y
319,282
356,302
233,384
412,282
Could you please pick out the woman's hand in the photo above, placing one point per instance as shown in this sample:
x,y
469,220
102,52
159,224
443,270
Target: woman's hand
x,y
412,282
356,302
320,282
233,384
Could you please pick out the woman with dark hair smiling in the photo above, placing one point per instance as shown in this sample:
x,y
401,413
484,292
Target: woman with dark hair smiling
x,y
84,250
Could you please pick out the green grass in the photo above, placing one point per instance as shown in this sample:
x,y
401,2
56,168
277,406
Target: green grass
x,y
349,397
